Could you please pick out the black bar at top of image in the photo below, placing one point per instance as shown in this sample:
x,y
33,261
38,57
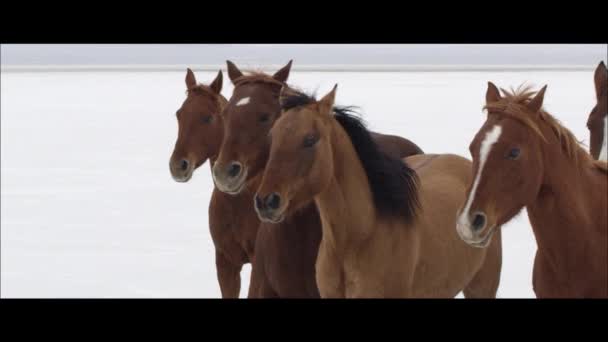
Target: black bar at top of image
x,y
461,36
288,24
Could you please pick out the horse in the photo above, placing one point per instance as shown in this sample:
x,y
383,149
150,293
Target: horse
x,y
200,128
232,222
597,123
523,157
387,223
285,255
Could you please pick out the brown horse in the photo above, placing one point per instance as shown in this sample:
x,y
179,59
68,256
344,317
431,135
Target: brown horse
x,y
522,157
232,222
386,231
285,255
598,118
200,128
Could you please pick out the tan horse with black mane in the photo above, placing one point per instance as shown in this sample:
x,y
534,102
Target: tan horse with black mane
x,y
285,254
523,157
387,228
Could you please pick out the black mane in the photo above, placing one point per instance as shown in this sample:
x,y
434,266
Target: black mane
x,y
394,185
296,99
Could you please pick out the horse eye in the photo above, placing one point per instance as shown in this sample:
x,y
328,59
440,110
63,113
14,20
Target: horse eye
x,y
206,119
264,118
513,154
310,140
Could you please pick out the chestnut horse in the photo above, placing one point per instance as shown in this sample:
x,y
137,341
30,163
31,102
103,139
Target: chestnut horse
x,y
386,231
598,118
284,255
523,157
200,128
232,222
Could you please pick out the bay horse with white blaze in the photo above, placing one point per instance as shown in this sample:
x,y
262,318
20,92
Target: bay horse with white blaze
x,y
523,157
387,229
232,222
285,254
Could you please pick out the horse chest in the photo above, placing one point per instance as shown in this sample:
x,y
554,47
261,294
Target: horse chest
x,y
233,224
575,268
551,280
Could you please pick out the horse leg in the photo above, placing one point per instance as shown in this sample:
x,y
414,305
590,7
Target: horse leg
x,y
485,282
259,286
228,275
544,281
263,290
255,281
329,275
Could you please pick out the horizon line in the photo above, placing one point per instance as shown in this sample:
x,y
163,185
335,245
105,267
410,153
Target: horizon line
x,y
305,67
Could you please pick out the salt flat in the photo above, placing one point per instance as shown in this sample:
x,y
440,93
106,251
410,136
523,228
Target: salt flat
x,y
88,206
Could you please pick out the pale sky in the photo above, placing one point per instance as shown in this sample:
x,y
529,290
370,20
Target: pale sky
x,y
338,54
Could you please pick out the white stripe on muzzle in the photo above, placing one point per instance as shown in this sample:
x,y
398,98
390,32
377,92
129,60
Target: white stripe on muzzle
x,y
486,145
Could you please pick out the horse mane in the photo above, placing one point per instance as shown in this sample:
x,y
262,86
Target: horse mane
x,y
394,185
296,98
256,77
201,89
259,77
513,103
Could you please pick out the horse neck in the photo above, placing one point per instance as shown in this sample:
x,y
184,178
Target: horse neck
x,y
346,206
214,153
563,210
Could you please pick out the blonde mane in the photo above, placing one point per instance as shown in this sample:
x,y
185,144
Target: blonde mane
x,y
513,103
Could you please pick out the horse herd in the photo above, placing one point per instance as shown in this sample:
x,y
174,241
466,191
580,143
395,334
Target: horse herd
x,y
324,208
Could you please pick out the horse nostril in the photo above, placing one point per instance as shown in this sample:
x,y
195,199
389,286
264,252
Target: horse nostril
x,y
184,164
259,204
479,221
234,170
273,201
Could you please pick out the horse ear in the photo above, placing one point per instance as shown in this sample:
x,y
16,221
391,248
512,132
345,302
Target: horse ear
x,y
190,79
601,79
233,71
283,74
216,85
327,102
537,102
492,94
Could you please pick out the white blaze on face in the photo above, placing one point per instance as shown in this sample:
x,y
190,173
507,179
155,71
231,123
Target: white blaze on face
x,y
243,101
604,148
486,145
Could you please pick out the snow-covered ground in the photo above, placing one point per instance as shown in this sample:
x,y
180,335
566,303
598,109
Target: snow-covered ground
x,y
89,209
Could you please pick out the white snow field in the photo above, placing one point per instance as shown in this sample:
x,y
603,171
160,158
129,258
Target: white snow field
x,y
88,206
